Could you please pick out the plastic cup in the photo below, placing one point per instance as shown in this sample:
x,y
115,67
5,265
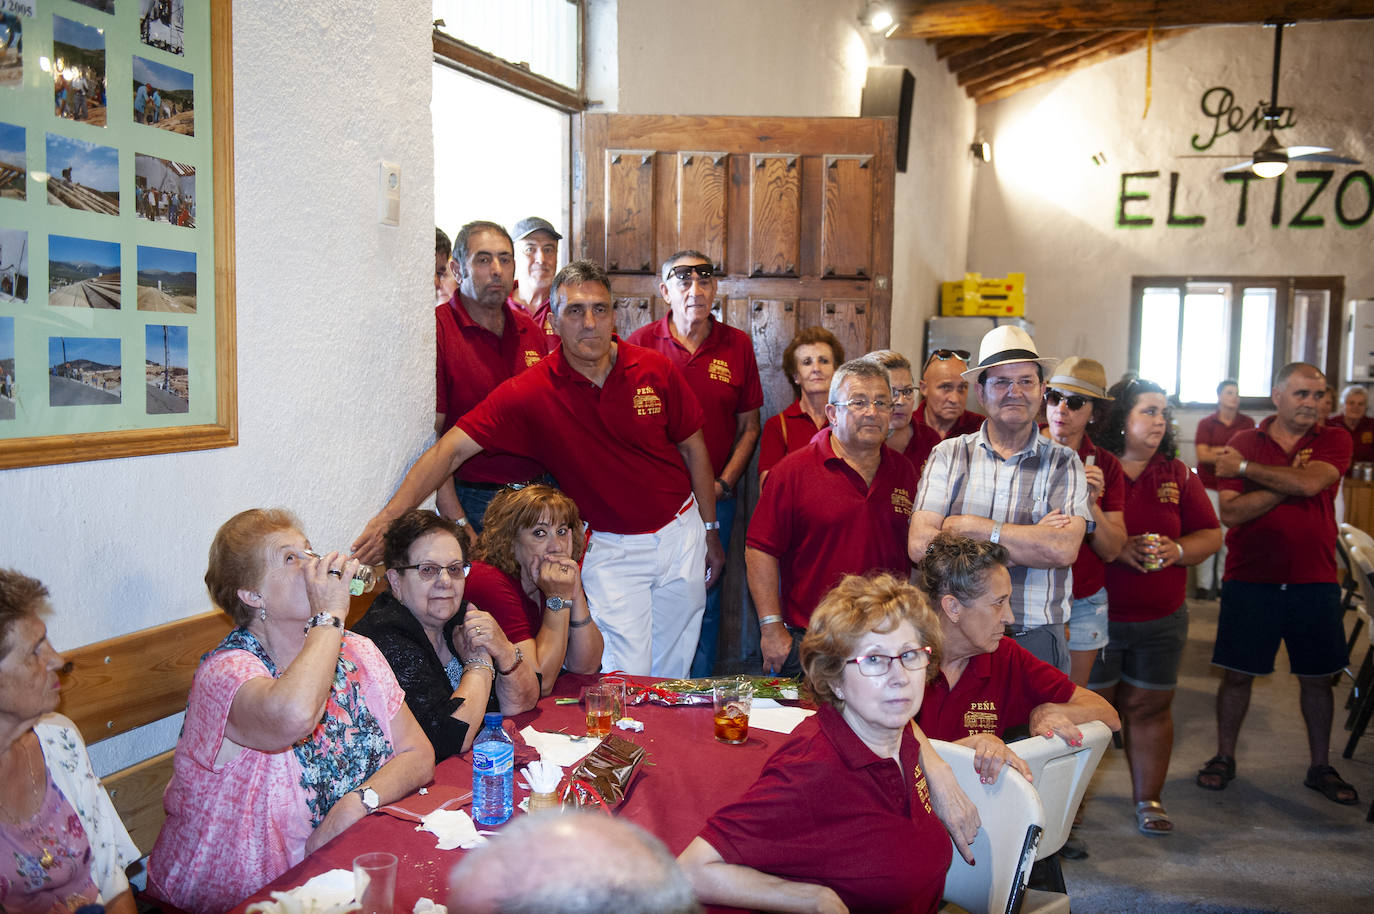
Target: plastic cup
x,y
599,703
731,699
374,882
617,687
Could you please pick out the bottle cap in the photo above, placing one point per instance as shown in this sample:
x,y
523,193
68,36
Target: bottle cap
x,y
492,718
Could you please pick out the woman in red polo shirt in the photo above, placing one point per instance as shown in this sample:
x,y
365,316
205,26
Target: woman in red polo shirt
x,y
840,817
913,440
1170,524
809,362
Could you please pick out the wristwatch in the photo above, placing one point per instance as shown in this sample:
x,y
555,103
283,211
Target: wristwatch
x,y
711,525
323,619
557,603
996,536
460,521
370,799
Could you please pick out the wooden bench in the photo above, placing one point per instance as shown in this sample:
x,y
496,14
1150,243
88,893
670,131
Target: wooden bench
x,y
117,685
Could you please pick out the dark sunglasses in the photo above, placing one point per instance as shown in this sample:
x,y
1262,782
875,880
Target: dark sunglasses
x,y
684,272
1054,398
962,355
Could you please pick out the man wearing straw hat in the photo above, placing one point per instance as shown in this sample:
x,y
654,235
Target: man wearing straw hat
x,y
1006,484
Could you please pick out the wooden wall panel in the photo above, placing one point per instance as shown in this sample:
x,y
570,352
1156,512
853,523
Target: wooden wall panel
x,y
775,215
847,217
630,210
631,313
772,324
702,182
848,320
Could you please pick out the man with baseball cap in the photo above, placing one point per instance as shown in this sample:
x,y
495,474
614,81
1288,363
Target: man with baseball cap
x,y
536,260
1006,484
1072,390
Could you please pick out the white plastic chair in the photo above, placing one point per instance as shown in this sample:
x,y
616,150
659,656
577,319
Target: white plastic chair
x,y
1060,774
1005,847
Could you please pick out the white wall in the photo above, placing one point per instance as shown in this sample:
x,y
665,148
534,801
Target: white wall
x,y
335,333
1043,207
801,58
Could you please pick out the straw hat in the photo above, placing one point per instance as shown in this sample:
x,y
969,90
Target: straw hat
x,y
1078,375
1002,346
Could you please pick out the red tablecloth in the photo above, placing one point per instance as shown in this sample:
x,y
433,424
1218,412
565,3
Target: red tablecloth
x,y
685,777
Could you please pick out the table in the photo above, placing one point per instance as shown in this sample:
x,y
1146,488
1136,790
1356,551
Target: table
x,y
685,777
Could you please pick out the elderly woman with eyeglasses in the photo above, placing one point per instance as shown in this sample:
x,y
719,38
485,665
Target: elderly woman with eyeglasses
x,y
453,660
809,362
295,729
913,440
987,683
840,818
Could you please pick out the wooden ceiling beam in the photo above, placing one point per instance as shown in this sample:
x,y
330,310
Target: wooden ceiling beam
x,y
990,50
1086,60
1060,63
1042,49
944,47
951,18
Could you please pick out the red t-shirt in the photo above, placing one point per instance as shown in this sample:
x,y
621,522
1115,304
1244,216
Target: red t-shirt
x,y
788,431
923,441
1295,542
1166,498
996,691
613,448
821,521
471,362
966,423
1213,433
1363,436
827,811
722,373
1089,573
490,590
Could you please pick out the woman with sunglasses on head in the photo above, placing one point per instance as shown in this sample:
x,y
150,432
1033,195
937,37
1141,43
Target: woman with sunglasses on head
x,y
913,440
1170,524
1077,387
452,659
809,362
986,683
839,819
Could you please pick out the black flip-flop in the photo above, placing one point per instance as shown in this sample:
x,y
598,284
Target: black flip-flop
x,y
1221,768
1323,778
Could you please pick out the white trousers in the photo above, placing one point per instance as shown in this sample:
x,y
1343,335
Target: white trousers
x,y
647,593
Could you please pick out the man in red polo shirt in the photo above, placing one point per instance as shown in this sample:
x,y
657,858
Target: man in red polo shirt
x,y
622,430
841,505
944,392
1278,485
482,340
718,362
1212,432
536,260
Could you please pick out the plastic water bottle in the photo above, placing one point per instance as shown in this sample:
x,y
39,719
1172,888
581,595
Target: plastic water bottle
x,y
493,773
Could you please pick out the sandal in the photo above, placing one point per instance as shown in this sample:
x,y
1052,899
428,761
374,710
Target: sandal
x,y
1151,818
1218,772
1324,778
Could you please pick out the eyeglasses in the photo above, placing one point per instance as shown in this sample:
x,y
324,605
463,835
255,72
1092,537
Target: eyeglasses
x,y
903,393
944,354
683,273
1054,398
1002,386
879,664
428,571
863,404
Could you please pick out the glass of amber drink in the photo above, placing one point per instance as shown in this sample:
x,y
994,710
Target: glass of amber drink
x,y
599,703
731,699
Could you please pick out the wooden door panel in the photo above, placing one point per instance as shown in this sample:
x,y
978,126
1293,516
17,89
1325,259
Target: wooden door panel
x,y
775,216
702,179
631,313
629,211
848,320
772,324
846,245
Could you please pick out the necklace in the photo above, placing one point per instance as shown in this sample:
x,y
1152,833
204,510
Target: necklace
x,y
47,861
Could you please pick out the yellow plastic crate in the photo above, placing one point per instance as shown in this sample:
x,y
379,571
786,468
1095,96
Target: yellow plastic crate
x,y
974,296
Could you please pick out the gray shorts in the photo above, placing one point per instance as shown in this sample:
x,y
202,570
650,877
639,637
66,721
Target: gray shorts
x,y
1088,622
1146,655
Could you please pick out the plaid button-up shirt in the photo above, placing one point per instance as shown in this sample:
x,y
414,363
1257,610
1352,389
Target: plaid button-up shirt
x,y
965,475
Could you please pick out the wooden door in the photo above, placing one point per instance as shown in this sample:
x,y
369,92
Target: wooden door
x,y
796,213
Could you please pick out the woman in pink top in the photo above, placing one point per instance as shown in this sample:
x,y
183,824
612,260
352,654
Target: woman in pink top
x,y
295,729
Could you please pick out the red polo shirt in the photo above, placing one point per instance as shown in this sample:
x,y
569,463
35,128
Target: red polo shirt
x,y
1295,542
966,423
1089,574
1212,432
996,691
1363,435
828,811
923,441
1166,498
722,373
788,431
613,448
488,589
542,317
472,361
821,521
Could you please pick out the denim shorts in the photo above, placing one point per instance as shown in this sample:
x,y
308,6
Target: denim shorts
x,y
1146,655
1088,622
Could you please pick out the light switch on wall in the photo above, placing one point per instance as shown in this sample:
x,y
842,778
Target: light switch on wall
x,y
389,193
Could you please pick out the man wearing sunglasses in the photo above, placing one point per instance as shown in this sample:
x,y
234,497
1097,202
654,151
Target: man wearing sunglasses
x,y
944,393
718,362
1007,484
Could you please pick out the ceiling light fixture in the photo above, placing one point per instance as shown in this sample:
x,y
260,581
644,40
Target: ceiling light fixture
x,y
981,150
877,18
1271,159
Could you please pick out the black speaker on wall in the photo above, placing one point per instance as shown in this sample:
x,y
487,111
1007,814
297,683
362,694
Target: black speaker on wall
x,y
888,93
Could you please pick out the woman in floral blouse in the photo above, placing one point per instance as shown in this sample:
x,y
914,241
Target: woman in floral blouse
x,y
61,842
295,729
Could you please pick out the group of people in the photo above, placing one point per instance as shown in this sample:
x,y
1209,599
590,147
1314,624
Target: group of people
x,y
71,97
931,574
173,206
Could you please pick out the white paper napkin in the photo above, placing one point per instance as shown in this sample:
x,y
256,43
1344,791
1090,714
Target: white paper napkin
x,y
559,748
767,714
453,827
327,893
